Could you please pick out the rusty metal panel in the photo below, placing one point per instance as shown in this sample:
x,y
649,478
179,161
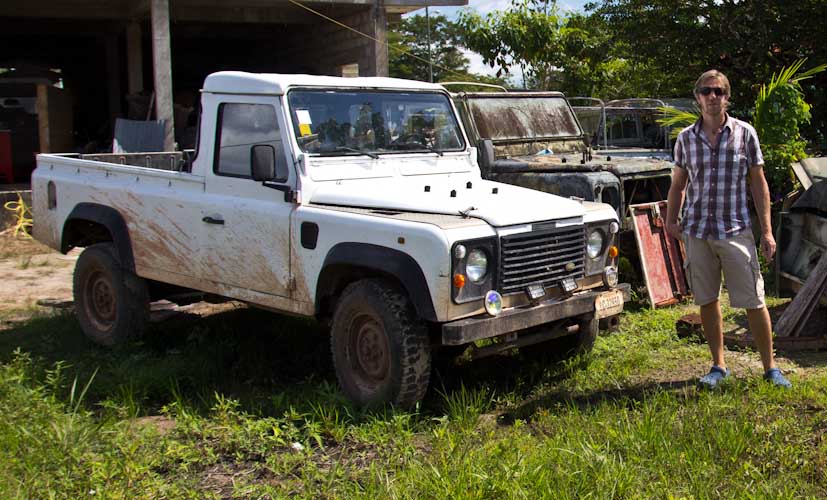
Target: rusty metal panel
x,y
661,256
802,239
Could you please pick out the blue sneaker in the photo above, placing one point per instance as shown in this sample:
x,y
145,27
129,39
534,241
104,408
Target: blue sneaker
x,y
714,377
776,378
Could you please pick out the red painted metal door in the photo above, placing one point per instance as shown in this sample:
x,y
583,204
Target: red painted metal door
x,y
6,170
661,256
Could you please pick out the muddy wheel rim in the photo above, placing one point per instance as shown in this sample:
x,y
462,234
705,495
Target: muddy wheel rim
x,y
370,354
101,304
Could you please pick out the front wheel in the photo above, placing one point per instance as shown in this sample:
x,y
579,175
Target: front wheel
x,y
380,347
111,304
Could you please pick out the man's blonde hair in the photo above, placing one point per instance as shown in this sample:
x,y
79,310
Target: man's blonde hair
x,y
712,73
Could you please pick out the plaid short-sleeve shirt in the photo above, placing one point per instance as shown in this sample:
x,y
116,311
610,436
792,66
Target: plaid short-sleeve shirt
x,y
715,205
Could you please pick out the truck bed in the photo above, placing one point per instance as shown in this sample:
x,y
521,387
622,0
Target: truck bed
x,y
137,192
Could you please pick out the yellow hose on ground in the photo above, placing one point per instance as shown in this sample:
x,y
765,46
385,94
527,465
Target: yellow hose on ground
x,y
23,217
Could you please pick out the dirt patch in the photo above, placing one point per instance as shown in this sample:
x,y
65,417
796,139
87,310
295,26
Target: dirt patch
x,y
743,364
161,423
220,478
37,279
34,274
31,271
12,246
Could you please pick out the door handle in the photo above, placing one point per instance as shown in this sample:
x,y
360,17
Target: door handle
x,y
213,220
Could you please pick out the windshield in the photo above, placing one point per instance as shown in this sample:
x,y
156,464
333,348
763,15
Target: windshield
x,y
347,122
522,117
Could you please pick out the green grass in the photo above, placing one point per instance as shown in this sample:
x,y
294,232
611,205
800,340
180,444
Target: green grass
x,y
244,405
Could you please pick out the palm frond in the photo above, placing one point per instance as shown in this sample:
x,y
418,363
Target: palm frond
x,y
788,76
810,73
676,119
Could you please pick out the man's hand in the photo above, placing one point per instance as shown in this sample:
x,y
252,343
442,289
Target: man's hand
x,y
675,230
767,246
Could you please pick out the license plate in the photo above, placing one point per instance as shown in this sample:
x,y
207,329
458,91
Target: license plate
x,y
608,304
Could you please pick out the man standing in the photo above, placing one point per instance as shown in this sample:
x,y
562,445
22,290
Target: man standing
x,y
716,159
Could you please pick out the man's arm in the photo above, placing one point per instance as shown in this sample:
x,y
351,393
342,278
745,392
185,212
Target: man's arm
x,y
761,198
674,200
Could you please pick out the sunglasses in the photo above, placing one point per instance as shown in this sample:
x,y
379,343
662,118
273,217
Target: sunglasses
x,y
708,90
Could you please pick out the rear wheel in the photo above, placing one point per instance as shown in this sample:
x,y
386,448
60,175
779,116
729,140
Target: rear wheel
x,y
380,347
111,304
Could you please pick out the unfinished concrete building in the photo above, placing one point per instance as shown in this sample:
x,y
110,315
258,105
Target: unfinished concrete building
x,y
69,68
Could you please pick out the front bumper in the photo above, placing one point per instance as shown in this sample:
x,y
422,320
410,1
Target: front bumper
x,y
468,330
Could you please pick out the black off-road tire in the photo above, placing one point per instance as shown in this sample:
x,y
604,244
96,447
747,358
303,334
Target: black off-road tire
x,y
111,304
569,346
381,351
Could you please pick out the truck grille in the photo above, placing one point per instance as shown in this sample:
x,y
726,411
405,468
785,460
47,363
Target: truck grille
x,y
541,257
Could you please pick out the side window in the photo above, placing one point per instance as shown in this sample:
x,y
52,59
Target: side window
x,y
240,127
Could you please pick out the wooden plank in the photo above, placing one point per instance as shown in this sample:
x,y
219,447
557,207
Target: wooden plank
x,y
54,119
43,118
677,257
801,307
783,344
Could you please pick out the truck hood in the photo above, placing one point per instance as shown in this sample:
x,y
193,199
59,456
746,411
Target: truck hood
x,y
620,166
498,204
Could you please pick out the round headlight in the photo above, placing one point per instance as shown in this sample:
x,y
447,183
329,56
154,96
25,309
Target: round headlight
x,y
610,277
595,244
493,303
476,266
614,227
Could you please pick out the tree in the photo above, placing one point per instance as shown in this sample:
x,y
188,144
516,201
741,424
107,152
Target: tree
x,y
573,53
408,51
528,35
657,48
780,114
749,40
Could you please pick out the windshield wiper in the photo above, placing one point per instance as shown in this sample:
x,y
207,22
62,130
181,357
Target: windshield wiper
x,y
339,149
433,150
414,147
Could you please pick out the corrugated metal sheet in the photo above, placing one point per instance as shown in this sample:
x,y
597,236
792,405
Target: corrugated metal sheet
x,y
134,136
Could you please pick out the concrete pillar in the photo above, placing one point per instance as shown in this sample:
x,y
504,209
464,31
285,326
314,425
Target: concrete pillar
x,y
134,58
162,68
378,52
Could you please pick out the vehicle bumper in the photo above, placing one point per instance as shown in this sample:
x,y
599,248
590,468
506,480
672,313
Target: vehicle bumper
x,y
468,330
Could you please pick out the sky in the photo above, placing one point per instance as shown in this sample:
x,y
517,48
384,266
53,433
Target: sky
x,y
484,7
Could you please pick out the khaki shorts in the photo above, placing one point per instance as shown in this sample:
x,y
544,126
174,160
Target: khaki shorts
x,y
736,256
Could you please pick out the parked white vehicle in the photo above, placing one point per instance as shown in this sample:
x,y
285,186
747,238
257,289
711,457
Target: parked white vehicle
x,y
355,200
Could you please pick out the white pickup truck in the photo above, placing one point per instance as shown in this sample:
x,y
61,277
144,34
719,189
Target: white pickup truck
x,y
356,201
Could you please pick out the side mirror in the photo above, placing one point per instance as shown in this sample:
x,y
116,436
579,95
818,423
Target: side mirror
x,y
263,162
485,155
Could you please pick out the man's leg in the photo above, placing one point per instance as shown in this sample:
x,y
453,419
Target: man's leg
x,y
746,290
761,328
704,273
714,331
